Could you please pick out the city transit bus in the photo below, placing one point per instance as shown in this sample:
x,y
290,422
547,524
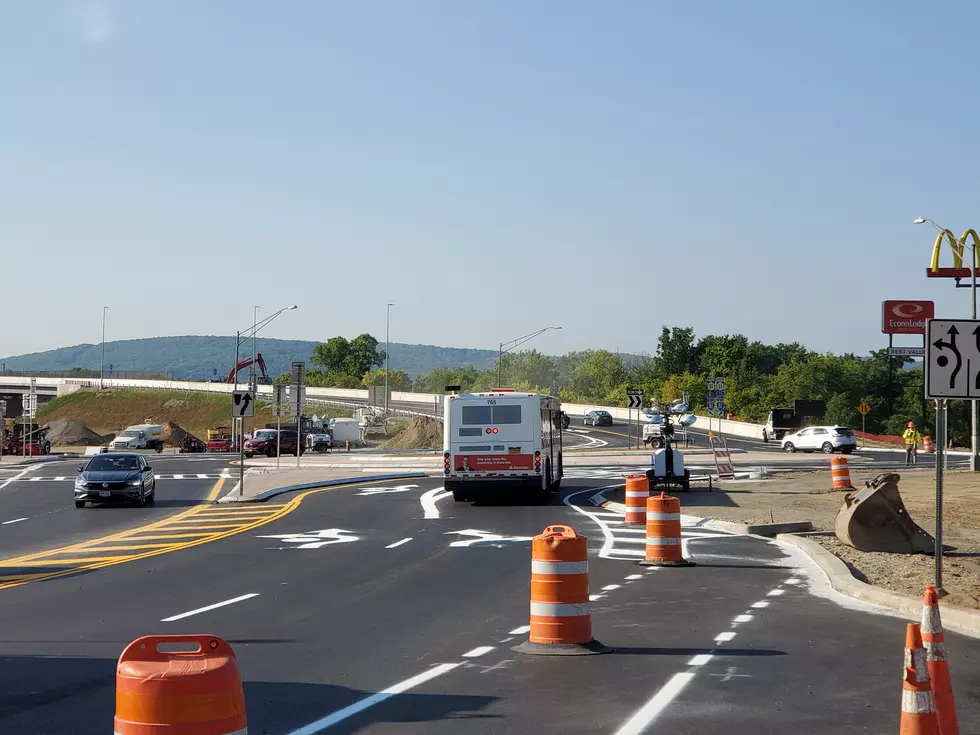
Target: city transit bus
x,y
501,439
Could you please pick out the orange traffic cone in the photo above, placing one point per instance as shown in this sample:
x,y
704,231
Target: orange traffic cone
x,y
935,645
918,702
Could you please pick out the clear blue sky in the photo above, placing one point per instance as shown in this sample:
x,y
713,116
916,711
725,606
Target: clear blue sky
x,y
490,166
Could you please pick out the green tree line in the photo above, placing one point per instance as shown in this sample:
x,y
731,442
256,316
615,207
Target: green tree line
x,y
758,377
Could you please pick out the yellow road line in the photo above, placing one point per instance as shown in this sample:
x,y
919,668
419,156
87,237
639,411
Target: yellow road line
x,y
213,495
132,547
101,562
161,537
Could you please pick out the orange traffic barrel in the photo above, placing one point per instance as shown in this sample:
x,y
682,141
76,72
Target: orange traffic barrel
x,y
918,701
663,538
928,445
934,641
840,474
179,685
637,492
561,614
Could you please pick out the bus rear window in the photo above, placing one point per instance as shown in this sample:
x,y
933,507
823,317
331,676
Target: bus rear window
x,y
490,415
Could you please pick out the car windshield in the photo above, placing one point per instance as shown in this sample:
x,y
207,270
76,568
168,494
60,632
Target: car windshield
x,y
113,464
127,433
267,434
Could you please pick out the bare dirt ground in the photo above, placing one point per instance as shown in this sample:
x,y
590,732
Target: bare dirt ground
x,y
807,496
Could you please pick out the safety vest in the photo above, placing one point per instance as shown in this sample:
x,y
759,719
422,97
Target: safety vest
x,y
911,436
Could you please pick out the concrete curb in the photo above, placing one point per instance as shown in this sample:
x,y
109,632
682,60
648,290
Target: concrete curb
x,y
959,619
745,529
232,497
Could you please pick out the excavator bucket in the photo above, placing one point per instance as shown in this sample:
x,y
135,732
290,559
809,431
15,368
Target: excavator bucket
x,y
874,518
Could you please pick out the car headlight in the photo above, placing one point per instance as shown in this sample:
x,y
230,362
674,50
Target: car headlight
x,y
135,482
79,481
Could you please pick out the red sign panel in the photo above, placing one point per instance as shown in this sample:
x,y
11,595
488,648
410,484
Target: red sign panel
x,y
494,462
906,317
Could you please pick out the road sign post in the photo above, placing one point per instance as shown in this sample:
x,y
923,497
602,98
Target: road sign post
x,y
716,400
279,394
242,407
863,409
940,455
298,383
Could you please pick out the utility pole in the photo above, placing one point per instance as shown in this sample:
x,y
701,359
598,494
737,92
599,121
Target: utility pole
x,y
102,363
387,349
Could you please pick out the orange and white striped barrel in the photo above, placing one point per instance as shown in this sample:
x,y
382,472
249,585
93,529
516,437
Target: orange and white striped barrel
x,y
561,614
637,492
663,538
196,690
840,474
928,445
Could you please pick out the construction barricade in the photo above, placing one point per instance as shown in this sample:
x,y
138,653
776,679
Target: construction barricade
x,y
196,690
561,614
663,537
840,473
637,492
918,701
934,643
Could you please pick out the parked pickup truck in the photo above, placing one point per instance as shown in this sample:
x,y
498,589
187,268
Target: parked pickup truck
x,y
140,436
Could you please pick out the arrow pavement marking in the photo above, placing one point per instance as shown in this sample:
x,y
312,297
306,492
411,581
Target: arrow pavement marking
x,y
315,539
383,490
483,536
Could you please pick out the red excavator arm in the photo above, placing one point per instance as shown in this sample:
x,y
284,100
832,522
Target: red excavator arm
x,y
244,364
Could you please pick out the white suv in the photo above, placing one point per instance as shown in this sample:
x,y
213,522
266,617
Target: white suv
x,y
827,439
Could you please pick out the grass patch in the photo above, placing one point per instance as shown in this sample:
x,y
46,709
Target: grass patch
x,y
108,411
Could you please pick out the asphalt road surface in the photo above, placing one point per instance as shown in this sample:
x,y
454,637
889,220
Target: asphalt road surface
x,y
382,609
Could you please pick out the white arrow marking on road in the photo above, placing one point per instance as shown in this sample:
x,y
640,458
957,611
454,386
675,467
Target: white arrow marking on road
x,y
483,536
429,499
382,490
316,539
16,520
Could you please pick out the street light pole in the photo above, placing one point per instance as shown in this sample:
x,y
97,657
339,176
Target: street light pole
x,y
974,404
255,329
387,350
514,343
102,363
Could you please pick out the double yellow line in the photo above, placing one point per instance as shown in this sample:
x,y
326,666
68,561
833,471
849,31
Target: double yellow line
x,y
198,525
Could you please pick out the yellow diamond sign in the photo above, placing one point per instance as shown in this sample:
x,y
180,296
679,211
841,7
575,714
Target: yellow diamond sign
x,y
863,408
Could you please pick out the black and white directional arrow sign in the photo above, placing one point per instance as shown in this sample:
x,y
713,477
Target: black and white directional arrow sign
x,y
952,358
242,404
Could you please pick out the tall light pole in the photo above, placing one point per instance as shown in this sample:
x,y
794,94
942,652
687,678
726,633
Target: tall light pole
x,y
387,350
974,262
102,363
255,322
514,343
240,337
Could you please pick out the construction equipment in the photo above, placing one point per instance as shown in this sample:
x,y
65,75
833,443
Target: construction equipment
x,y
874,518
29,439
265,379
219,439
190,444
372,421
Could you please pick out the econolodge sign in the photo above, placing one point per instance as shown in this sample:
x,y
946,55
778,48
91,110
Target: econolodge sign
x,y
906,317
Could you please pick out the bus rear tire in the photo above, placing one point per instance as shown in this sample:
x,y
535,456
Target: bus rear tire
x,y
459,495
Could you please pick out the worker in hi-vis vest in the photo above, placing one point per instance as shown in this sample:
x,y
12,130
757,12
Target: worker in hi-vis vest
x,y
912,438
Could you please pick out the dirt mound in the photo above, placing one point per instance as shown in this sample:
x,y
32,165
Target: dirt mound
x,y
422,433
65,432
173,435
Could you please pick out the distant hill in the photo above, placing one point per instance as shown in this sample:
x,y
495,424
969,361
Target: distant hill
x,y
203,357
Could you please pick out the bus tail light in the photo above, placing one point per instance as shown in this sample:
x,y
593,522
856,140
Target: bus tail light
x,y
537,461
445,458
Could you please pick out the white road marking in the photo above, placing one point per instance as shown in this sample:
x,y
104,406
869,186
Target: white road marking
x,y
775,593
759,605
610,587
508,639
724,637
792,580
403,686
521,631
16,520
483,536
478,651
60,479
19,475
315,539
201,477
635,576
657,704
429,499
700,660
385,490
35,479
744,618
399,543
215,606
593,598
178,477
